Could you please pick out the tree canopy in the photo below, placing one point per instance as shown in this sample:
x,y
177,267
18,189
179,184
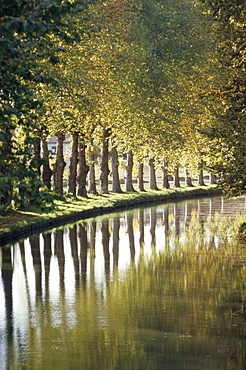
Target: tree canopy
x,y
166,79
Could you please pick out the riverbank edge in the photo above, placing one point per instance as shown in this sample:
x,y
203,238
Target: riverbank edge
x,y
74,209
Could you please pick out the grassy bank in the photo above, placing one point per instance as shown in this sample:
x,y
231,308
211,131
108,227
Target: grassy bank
x,y
18,224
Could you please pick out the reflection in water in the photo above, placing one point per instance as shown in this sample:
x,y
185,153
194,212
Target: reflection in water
x,y
154,288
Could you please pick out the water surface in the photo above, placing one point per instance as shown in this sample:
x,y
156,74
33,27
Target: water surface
x,y
151,288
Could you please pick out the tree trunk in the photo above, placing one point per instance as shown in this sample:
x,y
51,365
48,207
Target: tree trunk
x,y
188,181
212,179
129,167
92,173
37,155
92,176
83,169
104,162
176,177
115,171
6,182
47,171
59,165
141,176
200,176
165,181
152,175
72,178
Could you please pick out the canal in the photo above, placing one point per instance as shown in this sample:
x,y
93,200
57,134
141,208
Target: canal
x,y
161,287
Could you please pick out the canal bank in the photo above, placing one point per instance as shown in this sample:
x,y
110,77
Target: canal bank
x,y
19,224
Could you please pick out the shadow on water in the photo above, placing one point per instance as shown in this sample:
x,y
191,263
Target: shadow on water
x,y
153,288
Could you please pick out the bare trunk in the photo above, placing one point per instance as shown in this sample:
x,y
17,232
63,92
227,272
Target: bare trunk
x,y
83,169
47,171
104,162
188,181
165,181
152,175
115,171
200,176
129,167
141,176
72,178
59,165
176,177
212,179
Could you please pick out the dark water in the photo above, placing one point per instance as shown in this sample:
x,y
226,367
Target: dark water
x,y
153,288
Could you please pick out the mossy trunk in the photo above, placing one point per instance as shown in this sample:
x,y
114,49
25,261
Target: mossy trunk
x,y
59,164
72,178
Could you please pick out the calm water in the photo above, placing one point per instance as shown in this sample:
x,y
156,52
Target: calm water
x,y
154,288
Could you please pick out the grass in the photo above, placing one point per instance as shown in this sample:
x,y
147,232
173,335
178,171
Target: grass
x,y
18,223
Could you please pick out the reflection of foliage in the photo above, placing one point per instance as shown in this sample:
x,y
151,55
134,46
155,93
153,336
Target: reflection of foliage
x,y
195,292
183,307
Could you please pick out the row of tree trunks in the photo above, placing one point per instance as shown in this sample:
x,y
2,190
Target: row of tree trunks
x,y
78,169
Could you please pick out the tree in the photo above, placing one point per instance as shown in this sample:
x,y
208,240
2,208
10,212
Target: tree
x,y
226,131
29,31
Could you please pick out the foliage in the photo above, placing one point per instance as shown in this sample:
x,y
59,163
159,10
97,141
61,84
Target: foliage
x,y
139,71
28,34
227,132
